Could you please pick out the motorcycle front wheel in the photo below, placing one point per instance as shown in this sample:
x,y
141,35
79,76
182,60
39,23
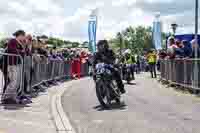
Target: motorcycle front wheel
x,y
103,94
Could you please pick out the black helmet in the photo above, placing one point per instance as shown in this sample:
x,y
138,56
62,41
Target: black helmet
x,y
102,45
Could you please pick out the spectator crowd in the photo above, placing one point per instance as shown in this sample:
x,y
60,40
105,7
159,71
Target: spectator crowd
x,y
177,49
32,50
180,49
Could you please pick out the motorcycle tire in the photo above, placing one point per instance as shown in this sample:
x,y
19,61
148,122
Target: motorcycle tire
x,y
99,96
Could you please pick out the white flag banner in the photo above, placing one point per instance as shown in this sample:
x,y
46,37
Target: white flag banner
x,y
92,30
157,37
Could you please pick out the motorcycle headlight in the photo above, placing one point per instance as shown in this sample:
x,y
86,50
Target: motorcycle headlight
x,y
100,71
108,71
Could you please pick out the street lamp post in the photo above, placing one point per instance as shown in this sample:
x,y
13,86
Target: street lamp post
x,y
174,27
196,69
168,35
196,27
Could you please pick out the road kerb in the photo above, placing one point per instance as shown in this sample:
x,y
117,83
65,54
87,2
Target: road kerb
x,y
56,117
60,118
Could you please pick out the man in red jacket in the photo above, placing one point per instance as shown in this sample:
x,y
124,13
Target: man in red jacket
x,y
14,47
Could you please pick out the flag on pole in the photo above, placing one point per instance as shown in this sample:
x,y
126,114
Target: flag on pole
x,y
157,37
92,29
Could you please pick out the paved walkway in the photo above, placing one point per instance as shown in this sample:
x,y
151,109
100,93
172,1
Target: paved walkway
x,y
149,108
34,118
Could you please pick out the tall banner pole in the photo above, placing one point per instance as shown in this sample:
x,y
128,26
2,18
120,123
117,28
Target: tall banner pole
x,y
157,37
92,31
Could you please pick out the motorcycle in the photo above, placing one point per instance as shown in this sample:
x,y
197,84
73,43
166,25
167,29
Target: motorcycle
x,y
106,86
127,73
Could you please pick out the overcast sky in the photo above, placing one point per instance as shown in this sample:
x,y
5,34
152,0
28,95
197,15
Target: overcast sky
x,y
68,18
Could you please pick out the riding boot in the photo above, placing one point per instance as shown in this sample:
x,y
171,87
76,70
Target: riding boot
x,y
121,87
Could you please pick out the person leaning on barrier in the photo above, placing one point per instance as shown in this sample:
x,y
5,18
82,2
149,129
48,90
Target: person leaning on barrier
x,y
76,66
36,57
186,48
172,47
27,68
65,54
28,64
14,47
162,54
151,57
179,51
193,43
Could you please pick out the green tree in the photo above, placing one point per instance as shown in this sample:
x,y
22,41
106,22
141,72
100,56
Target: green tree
x,y
85,44
148,39
3,42
129,35
137,39
75,44
117,43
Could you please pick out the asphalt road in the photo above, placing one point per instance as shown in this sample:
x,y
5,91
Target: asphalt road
x,y
148,107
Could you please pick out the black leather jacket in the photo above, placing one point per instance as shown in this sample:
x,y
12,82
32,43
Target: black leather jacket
x,y
107,56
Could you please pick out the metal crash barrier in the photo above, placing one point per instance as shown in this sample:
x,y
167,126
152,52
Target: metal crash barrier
x,y
11,74
181,72
48,70
85,69
31,71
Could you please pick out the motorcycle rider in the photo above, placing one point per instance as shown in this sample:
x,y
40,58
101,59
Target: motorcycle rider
x,y
107,56
130,60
